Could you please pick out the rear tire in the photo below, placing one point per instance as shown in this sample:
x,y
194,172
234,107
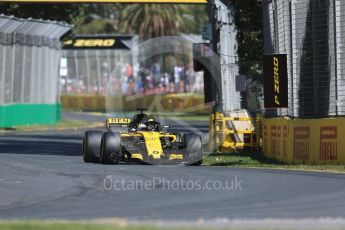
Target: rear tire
x,y
91,143
193,145
110,148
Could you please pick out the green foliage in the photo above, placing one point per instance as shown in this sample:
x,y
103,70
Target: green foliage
x,y
70,225
101,26
151,20
56,12
249,22
194,17
245,159
147,20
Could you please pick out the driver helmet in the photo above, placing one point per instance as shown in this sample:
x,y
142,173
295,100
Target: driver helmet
x,y
142,127
140,117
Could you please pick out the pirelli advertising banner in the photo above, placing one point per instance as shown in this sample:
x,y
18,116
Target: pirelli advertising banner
x,y
98,42
304,141
275,81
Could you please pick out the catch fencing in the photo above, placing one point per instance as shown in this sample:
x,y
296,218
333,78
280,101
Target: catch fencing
x,y
30,54
86,67
30,58
156,66
248,84
312,34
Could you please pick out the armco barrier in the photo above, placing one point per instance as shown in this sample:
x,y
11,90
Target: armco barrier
x,y
169,103
304,141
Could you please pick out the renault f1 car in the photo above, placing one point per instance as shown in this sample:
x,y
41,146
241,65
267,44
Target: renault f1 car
x,y
144,139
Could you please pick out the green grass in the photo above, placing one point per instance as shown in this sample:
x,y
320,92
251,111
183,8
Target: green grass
x,y
62,125
65,225
48,225
257,160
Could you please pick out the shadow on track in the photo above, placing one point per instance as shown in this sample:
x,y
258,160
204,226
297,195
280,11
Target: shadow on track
x,y
61,145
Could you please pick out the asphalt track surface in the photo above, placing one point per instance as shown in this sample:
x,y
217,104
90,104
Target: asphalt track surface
x,y
42,175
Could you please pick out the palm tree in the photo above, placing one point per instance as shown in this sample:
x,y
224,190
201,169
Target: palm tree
x,y
151,20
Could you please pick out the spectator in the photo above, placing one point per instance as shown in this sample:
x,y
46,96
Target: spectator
x,y
129,71
155,74
125,79
143,73
190,78
177,78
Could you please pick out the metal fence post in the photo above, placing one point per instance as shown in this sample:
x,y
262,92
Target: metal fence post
x,y
87,71
335,55
98,71
2,85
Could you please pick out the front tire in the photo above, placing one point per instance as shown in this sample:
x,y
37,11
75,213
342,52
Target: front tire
x,y
110,148
91,143
193,145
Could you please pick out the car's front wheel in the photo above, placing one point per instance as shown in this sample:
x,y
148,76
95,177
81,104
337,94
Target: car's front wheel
x,y
193,146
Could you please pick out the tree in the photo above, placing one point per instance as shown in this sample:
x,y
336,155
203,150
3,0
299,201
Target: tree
x,y
194,18
151,20
249,23
55,12
100,26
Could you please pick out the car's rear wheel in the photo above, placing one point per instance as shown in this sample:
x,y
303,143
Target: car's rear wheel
x,y
91,143
193,146
110,148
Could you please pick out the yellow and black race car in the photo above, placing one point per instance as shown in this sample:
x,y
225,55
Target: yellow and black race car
x,y
144,140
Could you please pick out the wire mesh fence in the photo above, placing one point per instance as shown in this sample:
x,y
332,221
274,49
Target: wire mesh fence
x,y
248,77
311,33
157,66
90,70
30,53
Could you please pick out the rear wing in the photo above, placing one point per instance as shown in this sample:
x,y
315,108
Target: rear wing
x,y
117,122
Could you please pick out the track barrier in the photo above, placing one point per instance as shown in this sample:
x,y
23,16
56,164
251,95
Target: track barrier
x,y
231,133
170,103
304,141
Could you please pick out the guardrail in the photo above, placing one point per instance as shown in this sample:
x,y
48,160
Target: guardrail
x,y
225,136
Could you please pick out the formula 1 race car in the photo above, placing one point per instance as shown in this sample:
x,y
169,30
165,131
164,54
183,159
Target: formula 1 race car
x,y
143,140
